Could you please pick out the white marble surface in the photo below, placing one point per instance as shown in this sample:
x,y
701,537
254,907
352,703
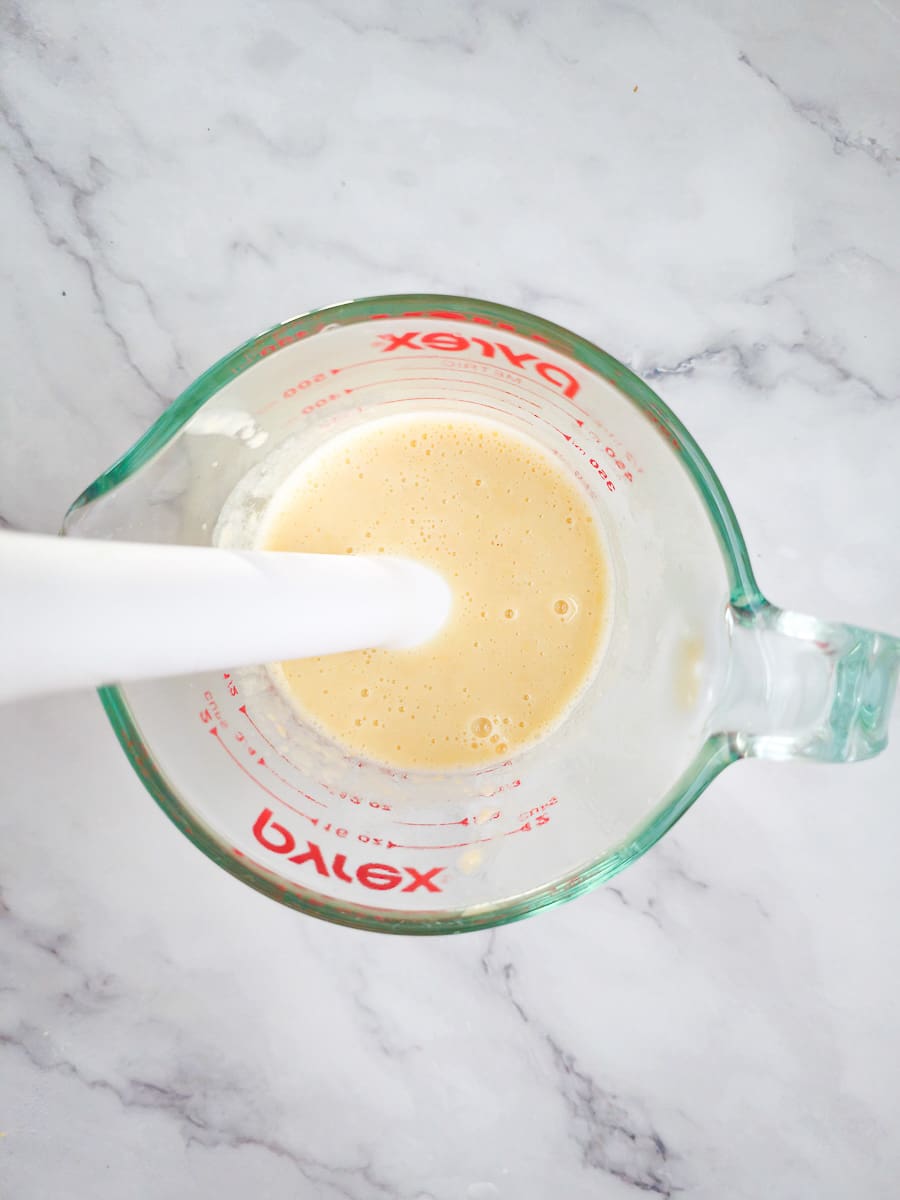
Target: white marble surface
x,y
709,190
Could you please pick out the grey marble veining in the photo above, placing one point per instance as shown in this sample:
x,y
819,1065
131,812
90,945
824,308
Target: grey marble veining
x,y
710,191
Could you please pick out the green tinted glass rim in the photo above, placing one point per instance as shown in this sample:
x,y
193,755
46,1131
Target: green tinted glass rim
x,y
716,753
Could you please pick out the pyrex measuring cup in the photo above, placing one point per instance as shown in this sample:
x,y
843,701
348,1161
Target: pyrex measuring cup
x,y
700,669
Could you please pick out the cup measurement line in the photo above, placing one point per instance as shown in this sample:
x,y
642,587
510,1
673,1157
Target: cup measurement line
x,y
243,709
237,762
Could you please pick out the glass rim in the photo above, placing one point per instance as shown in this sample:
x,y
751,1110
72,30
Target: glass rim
x,y
713,756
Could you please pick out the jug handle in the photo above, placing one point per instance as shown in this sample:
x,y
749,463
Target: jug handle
x,y
799,687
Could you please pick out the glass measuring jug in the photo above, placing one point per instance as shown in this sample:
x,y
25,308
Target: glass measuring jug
x,y
699,670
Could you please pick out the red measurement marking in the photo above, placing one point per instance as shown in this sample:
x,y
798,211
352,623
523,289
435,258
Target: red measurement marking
x,y
499,366
243,709
526,828
548,395
237,762
492,407
504,787
435,824
567,436
494,767
445,846
539,810
453,384
495,816
313,406
476,402
287,783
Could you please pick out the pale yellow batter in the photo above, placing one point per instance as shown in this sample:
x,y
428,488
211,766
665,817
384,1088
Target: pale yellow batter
x,y
515,539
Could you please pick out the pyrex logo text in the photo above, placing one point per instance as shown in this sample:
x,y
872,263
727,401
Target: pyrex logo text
x,y
380,877
455,343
